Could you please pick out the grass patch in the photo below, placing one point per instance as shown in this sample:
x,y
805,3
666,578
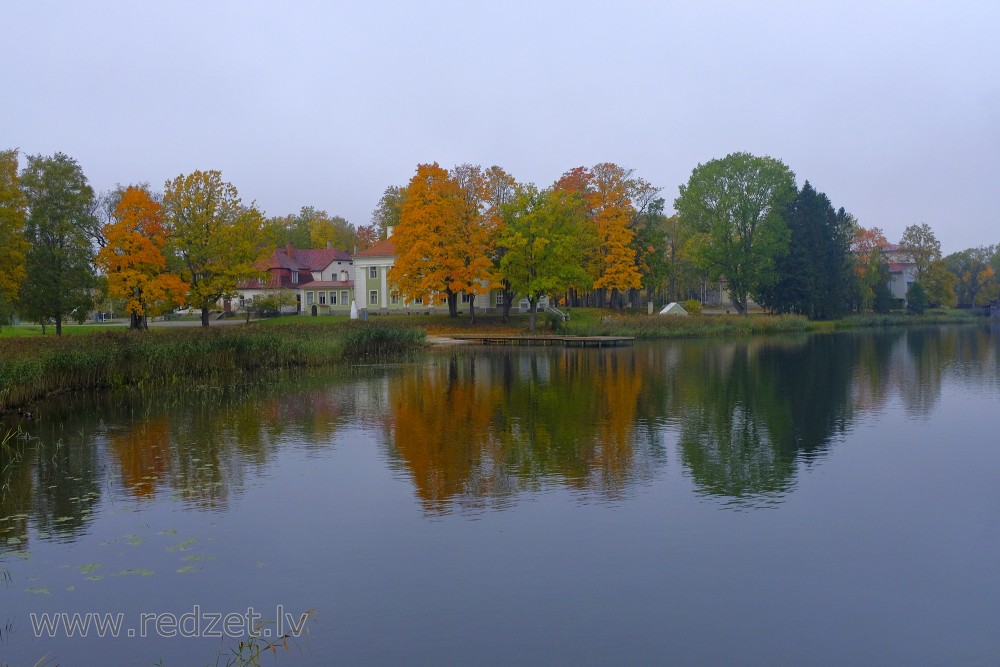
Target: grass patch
x,y
36,366
584,322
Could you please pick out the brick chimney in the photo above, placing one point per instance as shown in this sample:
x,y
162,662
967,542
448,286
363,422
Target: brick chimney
x,y
290,249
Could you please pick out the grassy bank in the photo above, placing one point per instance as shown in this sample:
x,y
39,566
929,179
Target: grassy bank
x,y
34,367
588,323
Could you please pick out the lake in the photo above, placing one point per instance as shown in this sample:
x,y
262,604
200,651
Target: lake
x,y
825,500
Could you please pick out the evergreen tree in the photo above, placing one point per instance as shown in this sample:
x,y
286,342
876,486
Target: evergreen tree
x,y
814,277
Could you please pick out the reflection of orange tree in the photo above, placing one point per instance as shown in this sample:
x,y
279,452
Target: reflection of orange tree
x,y
485,426
143,453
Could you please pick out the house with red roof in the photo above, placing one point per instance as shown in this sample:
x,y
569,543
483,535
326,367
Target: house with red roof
x,y
322,280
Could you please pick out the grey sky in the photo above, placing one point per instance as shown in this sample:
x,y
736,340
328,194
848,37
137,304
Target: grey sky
x,y
892,109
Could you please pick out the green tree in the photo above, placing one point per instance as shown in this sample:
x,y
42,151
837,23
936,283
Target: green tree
x,y
388,210
13,244
217,239
733,207
59,272
940,284
814,278
975,276
920,246
916,299
546,234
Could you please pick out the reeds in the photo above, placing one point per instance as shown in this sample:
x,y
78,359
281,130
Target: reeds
x,y
30,368
660,327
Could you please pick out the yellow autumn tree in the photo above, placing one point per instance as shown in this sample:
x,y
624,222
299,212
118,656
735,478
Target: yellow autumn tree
x,y
217,240
133,258
13,244
613,211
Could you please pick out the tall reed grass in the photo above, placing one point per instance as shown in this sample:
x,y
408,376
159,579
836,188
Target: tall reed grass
x,y
34,367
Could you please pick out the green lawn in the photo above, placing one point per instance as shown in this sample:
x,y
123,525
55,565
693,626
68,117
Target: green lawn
x,y
26,330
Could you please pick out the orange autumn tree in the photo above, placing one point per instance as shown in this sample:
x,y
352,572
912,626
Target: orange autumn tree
x,y
608,191
441,240
870,264
133,258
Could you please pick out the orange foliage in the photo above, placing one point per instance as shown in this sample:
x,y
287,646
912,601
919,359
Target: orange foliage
x,y
133,257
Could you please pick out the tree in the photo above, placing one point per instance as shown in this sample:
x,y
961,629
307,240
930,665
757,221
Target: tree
x,y
132,258
611,202
469,250
432,210
13,244
916,299
500,190
58,261
939,284
367,236
976,284
216,238
545,235
325,230
920,246
733,206
389,209
871,269
442,241
814,278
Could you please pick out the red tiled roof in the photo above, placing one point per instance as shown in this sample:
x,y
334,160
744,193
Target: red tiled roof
x,y
898,267
381,249
304,259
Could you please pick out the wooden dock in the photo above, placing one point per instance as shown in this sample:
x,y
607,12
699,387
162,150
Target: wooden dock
x,y
565,341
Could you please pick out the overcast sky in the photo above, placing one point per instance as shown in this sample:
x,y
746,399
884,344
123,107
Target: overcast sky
x,y
891,108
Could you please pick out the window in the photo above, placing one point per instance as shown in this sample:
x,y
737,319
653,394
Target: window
x,y
394,299
309,298
373,297
372,272
343,297
322,298
295,276
419,301
465,297
333,298
499,298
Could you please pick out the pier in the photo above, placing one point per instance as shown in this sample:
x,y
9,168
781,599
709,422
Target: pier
x,y
564,341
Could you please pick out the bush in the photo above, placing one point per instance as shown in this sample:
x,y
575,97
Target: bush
x,y
693,306
916,299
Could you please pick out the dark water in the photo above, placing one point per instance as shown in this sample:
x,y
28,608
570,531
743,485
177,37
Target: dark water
x,y
821,500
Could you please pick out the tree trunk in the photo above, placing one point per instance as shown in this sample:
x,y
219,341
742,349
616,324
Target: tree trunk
x,y
534,311
472,309
452,300
59,324
135,321
204,316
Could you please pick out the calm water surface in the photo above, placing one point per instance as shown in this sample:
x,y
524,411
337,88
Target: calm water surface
x,y
822,500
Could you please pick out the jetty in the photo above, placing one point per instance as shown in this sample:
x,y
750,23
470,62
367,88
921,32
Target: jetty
x,y
564,341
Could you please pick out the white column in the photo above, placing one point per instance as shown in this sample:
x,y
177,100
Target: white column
x,y
385,293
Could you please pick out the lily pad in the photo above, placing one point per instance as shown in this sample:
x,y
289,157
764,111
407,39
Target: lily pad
x,y
186,568
183,546
37,591
89,567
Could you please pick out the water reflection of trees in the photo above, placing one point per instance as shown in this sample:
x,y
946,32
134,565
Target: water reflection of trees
x,y
476,427
197,444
